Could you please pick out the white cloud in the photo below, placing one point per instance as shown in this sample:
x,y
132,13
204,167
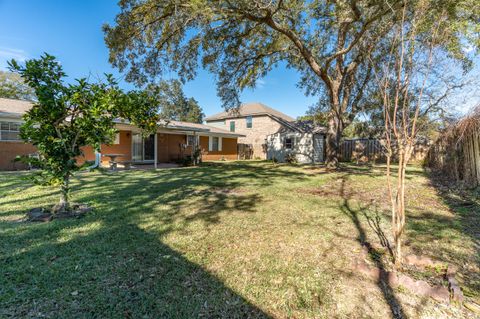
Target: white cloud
x,y
261,84
469,48
10,53
6,54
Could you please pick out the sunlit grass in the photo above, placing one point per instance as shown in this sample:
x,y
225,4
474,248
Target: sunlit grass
x,y
238,239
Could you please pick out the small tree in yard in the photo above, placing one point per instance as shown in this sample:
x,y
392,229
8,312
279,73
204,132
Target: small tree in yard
x,y
66,118
429,32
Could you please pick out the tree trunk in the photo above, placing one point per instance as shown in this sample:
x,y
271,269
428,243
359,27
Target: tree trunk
x,y
64,204
334,134
404,154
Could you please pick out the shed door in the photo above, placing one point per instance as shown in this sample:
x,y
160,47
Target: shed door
x,y
318,142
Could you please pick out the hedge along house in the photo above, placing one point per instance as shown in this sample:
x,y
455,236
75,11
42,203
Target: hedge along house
x,y
172,142
299,141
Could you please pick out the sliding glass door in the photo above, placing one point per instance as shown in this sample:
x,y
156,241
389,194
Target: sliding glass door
x,y
143,149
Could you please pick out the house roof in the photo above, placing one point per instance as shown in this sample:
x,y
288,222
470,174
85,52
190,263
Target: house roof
x,y
14,107
249,109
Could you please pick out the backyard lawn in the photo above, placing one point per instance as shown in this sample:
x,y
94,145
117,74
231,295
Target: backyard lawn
x,y
230,239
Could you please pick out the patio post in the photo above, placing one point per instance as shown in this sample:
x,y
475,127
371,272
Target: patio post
x,y
155,148
194,147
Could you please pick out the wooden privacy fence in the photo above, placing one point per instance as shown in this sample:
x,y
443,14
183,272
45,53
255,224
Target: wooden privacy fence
x,y
361,150
456,153
371,150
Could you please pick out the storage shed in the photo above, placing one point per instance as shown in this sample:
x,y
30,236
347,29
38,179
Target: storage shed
x,y
303,141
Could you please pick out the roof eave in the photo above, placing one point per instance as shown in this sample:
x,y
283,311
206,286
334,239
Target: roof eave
x,y
223,134
11,115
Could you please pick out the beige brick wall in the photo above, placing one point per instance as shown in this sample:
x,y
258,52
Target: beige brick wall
x,y
262,126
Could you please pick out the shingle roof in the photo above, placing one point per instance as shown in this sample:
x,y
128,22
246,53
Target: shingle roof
x,y
309,127
17,108
12,106
250,109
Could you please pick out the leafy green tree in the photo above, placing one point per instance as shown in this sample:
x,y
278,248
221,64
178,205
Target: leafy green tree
x,y
66,118
13,87
328,42
175,105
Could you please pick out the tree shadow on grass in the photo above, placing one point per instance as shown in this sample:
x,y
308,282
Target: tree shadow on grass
x,y
464,204
374,254
109,265
117,270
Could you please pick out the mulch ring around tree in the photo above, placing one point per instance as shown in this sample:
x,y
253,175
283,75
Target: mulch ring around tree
x,y
41,214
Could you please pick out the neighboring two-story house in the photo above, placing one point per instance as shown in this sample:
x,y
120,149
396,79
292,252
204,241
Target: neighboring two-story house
x,y
254,120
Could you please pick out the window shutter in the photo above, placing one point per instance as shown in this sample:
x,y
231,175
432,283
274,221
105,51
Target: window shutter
x,y
220,144
210,142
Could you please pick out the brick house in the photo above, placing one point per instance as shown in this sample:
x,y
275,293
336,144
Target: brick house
x,y
254,120
173,141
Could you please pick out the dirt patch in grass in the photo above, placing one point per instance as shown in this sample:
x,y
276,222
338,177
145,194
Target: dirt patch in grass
x,y
342,188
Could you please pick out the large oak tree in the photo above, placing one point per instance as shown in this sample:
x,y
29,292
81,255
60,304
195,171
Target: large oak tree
x,y
241,40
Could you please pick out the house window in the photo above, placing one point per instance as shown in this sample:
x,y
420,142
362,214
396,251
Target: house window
x,y
215,143
232,126
116,141
10,131
190,140
249,122
289,143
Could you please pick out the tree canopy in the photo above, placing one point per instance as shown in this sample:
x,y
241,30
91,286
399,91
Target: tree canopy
x,y
13,87
175,105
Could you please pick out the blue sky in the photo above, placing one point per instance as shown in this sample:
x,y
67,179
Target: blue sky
x,y
71,31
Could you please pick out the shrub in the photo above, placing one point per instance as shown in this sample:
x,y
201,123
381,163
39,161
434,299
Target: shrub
x,y
291,158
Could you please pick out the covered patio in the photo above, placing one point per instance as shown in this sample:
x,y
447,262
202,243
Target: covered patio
x,y
173,143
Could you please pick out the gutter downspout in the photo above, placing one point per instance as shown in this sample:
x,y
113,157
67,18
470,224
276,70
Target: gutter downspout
x,y
97,161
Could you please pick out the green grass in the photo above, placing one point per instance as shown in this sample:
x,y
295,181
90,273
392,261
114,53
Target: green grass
x,y
233,240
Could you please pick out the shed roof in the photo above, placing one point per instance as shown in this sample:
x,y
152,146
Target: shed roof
x,y
309,127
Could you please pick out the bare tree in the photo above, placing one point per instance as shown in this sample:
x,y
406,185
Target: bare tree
x,y
418,43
